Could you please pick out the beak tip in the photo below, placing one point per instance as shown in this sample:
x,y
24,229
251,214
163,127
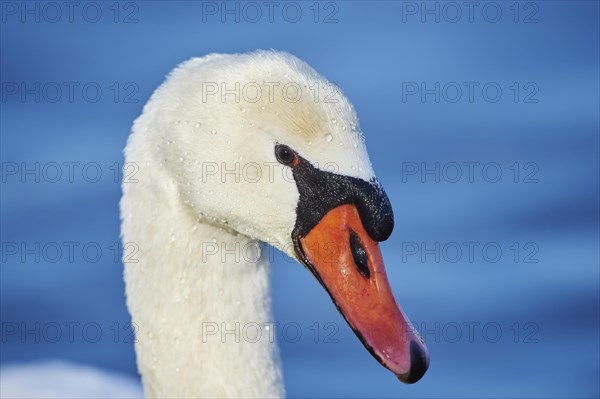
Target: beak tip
x,y
419,363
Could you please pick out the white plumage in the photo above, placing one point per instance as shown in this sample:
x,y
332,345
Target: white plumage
x,y
179,210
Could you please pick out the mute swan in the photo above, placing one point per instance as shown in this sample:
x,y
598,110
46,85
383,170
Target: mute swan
x,y
230,152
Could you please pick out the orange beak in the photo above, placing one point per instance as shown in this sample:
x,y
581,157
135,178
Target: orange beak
x,y
349,265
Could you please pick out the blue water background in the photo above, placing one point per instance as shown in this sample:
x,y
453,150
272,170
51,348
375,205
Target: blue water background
x,y
542,301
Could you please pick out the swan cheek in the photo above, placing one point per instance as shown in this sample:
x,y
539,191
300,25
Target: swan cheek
x,y
349,265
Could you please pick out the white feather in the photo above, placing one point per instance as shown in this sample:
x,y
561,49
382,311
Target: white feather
x,y
60,379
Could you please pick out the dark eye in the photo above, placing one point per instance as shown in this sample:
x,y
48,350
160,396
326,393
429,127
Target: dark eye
x,y
284,154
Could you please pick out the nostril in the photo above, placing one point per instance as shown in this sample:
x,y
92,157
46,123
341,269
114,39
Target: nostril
x,y
419,362
359,254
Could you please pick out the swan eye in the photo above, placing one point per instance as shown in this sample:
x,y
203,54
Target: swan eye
x,y
284,154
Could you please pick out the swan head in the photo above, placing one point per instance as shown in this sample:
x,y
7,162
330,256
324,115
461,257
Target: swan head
x,y
262,145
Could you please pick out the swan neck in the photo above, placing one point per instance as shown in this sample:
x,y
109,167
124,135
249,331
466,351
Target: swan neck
x,y
199,296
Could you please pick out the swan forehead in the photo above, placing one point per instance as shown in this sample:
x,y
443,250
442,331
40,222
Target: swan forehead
x,y
326,135
277,97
